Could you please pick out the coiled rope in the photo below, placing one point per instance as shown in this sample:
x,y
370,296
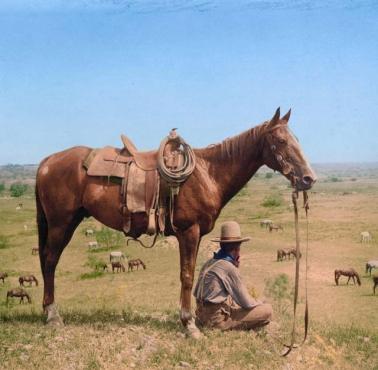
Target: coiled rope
x,y
176,176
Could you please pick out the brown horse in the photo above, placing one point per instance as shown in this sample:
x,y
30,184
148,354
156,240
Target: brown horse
x,y
136,263
3,275
118,266
375,281
19,293
275,227
65,195
293,252
350,273
282,254
29,279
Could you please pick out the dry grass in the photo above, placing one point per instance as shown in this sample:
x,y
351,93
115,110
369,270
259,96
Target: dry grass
x,y
130,320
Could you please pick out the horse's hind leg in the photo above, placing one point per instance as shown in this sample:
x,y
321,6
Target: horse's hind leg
x,y
348,280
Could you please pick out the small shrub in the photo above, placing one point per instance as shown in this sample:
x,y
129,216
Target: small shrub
x,y
333,179
109,238
94,263
4,242
272,201
91,275
269,175
2,188
17,189
279,290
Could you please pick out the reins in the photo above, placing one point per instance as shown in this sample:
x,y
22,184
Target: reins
x,y
296,287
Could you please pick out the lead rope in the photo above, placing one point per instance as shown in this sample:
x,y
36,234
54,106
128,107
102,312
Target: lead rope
x,y
296,288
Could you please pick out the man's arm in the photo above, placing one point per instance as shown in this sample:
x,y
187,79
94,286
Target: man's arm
x,y
238,291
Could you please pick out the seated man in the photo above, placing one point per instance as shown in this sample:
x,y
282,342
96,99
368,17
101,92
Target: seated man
x,y
223,301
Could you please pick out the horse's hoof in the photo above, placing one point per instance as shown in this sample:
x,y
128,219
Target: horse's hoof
x,y
192,331
53,317
55,321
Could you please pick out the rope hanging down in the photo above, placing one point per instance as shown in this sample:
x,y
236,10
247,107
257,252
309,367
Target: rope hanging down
x,y
296,289
174,176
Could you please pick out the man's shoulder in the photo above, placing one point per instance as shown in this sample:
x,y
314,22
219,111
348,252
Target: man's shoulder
x,y
221,265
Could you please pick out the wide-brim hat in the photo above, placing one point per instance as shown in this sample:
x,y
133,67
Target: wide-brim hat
x,y
230,233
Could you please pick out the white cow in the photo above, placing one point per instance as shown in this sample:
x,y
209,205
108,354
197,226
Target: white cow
x,y
89,232
92,245
372,264
116,256
265,223
365,237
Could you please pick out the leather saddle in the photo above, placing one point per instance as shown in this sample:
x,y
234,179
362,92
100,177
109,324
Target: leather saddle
x,y
141,187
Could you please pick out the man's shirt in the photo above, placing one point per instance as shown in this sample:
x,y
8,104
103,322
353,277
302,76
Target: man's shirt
x,y
222,279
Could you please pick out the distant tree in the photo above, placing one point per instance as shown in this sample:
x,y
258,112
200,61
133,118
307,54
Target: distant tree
x,y
2,187
17,189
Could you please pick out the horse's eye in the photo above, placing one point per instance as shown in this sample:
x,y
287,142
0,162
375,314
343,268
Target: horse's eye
x,y
282,141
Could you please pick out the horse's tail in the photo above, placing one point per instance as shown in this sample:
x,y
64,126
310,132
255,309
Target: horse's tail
x,y
143,264
28,297
36,281
358,278
367,267
20,280
41,222
336,277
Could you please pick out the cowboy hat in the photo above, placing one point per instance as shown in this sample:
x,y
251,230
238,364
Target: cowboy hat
x,y
230,233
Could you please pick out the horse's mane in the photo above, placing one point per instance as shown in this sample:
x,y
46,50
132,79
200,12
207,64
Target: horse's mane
x,y
236,146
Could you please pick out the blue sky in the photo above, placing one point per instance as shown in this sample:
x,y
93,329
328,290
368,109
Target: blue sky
x,y
82,72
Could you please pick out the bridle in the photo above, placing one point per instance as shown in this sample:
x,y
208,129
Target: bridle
x,y
286,167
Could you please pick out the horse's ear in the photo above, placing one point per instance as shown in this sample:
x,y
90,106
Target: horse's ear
x,y
286,117
275,118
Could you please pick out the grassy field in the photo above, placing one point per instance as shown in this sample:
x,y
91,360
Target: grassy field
x,y
130,320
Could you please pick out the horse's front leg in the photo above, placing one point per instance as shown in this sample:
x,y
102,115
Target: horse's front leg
x,y
348,280
188,242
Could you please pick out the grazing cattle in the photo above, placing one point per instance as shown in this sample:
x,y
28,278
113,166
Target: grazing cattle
x,y
116,256
365,237
293,252
375,281
29,279
282,254
35,250
118,266
89,232
372,264
265,223
350,273
136,263
275,227
92,245
3,275
18,293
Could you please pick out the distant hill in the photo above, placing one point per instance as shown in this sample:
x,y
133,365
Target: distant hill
x,y
26,173
11,173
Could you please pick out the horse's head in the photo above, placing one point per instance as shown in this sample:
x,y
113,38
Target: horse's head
x,y
282,152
